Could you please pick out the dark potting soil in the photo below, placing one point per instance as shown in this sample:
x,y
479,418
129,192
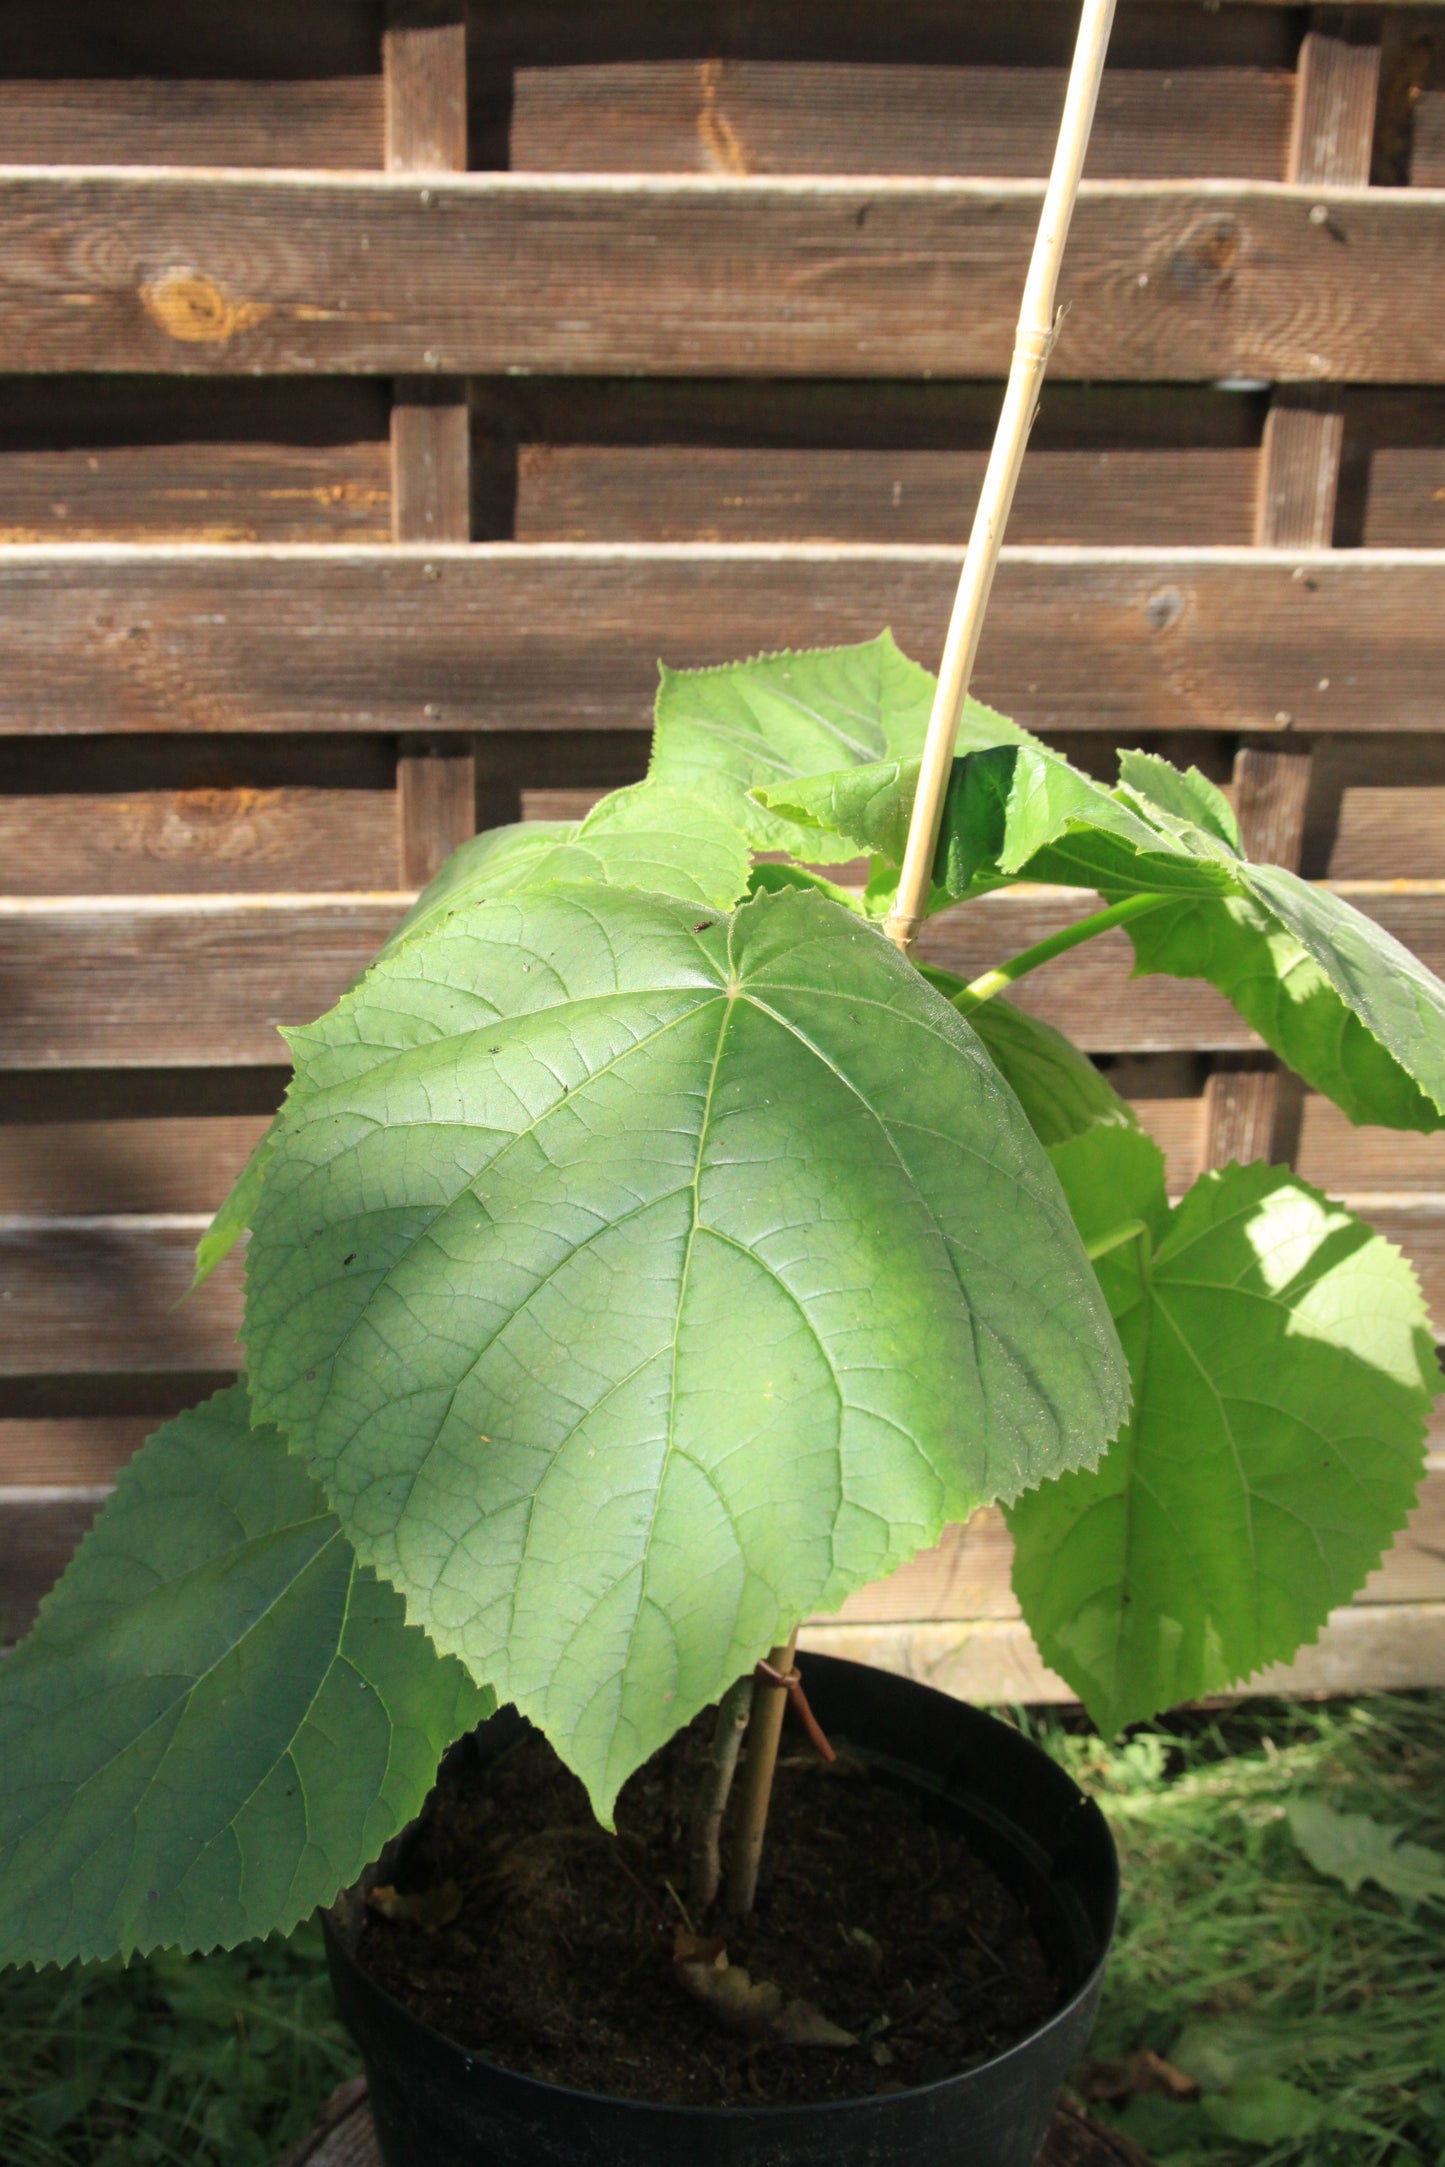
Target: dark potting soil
x,y
558,1960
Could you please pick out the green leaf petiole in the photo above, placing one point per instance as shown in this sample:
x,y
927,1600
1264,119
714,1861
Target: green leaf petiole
x,y
1130,1230
1073,936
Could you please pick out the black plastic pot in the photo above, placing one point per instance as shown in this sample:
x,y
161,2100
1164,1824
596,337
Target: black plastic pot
x,y
436,2105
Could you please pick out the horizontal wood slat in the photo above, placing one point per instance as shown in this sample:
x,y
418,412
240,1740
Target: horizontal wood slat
x,y
1405,498
969,1574
1376,1647
739,116
702,493
278,493
500,637
196,493
163,1161
98,1294
159,269
206,981
69,1452
37,1536
328,122
164,1164
192,841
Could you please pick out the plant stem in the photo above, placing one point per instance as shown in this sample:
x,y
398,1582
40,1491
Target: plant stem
x,y
764,1731
706,1869
979,990
1037,330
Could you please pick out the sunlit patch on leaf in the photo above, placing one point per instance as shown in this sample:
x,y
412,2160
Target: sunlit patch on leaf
x,y
1283,1370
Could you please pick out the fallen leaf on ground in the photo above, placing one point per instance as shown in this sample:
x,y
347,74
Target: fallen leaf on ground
x,y
1354,1847
754,2008
430,1909
1134,2075
1264,2110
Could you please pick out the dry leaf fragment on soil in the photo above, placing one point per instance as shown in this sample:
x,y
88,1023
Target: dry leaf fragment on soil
x,y
1142,2073
430,1909
735,2000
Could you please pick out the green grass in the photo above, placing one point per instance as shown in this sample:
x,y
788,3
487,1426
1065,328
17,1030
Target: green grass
x,y
218,2061
1301,2005
1309,2012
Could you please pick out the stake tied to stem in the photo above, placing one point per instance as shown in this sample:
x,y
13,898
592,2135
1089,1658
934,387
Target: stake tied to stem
x,y
1037,330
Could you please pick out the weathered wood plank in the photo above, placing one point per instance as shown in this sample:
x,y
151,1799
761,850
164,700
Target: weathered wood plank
x,y
1334,114
705,493
1427,165
70,1451
1244,1103
1299,476
327,123
1405,499
164,1164
98,1293
969,1574
160,1161
500,637
204,981
742,116
193,841
104,269
1378,1647
186,980
37,1536
104,1294
425,65
196,493
436,797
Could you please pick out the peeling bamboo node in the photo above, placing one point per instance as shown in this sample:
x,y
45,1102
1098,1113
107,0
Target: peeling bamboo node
x,y
1037,330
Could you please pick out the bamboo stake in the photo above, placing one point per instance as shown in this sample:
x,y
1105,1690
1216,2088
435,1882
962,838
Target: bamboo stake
x,y
1037,330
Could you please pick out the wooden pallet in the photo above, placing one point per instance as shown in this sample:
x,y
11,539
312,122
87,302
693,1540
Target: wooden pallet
x,y
381,400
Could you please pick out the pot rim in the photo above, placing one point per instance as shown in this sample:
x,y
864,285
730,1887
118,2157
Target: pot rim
x,y
336,1937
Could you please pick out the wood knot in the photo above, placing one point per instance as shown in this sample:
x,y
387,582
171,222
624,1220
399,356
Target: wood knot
x,y
1164,609
191,307
1208,255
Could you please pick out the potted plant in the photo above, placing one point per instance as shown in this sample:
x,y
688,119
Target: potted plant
x,y
647,1255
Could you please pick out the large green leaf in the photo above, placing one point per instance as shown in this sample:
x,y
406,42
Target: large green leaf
x,y
1059,1088
219,1717
1283,1370
636,1284
646,836
1292,1000
497,862
1339,999
723,734
1014,809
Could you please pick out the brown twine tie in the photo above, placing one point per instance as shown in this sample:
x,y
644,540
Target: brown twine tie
x,y
791,1683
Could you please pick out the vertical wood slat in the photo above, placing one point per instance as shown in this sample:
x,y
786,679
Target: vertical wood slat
x,y
424,59
1242,1103
1336,92
424,70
